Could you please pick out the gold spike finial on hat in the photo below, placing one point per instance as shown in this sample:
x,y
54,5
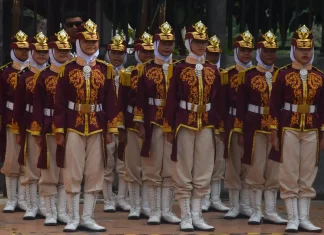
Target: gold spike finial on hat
x,y
147,38
269,37
62,36
247,36
214,41
200,27
90,26
303,32
166,28
117,39
21,36
41,38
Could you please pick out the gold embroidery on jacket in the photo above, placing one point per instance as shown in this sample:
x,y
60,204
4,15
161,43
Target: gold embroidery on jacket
x,y
134,81
258,83
35,126
50,84
234,82
294,119
12,79
30,84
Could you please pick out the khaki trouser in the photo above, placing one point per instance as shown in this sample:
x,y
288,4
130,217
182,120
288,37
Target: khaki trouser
x,y
194,168
157,169
11,167
32,173
133,164
113,162
52,177
219,165
263,174
83,157
235,171
298,170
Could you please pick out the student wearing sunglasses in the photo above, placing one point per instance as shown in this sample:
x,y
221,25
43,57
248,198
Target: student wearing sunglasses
x,y
72,20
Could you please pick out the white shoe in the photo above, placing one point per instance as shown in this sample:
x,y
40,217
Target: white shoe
x,y
122,203
73,200
31,200
109,197
216,202
304,223
197,219
42,207
255,201
167,202
245,207
145,204
271,216
51,211
186,220
21,195
292,211
11,185
134,196
62,215
155,206
206,203
234,211
87,221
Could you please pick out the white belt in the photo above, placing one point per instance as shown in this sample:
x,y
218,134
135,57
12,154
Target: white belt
x,y
130,109
10,105
48,112
300,108
256,109
156,102
29,108
195,107
232,111
85,108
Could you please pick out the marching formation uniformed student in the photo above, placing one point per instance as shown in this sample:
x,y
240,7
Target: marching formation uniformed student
x,y
138,192
252,121
149,113
297,124
51,178
13,171
117,56
23,124
193,98
212,199
85,117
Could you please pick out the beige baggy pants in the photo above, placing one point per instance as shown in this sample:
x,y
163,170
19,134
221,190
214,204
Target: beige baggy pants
x,y
133,163
11,167
52,177
195,162
157,169
235,171
83,158
32,172
219,165
263,173
113,162
298,169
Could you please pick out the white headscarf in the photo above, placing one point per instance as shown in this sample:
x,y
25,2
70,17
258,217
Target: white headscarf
x,y
292,56
33,63
247,65
87,58
107,59
260,62
52,58
15,59
166,59
191,54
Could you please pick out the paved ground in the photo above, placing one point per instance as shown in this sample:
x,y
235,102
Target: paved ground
x,y
117,223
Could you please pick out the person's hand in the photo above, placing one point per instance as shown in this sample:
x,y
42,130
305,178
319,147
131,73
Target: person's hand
x,y
241,140
18,139
109,138
170,136
275,140
59,139
141,131
38,140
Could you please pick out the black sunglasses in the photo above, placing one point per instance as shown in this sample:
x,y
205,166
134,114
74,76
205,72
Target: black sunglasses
x,y
71,24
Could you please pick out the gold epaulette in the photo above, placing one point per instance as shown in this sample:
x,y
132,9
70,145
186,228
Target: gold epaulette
x,y
110,71
101,61
178,61
242,74
224,77
62,69
125,76
274,78
6,65
230,68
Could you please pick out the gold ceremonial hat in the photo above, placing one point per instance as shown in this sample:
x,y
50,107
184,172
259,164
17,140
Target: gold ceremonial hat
x,y
197,32
144,43
39,42
117,43
165,33
214,45
244,40
267,40
61,41
302,38
88,31
19,40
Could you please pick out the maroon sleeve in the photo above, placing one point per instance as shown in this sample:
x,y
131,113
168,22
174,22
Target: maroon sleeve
x,y
2,99
218,110
276,99
39,104
140,100
19,105
241,103
321,106
111,107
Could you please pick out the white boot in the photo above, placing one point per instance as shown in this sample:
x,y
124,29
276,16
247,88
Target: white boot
x,y
31,200
122,203
216,202
145,204
256,203
21,195
304,223
73,200
134,196
11,185
167,202
61,205
109,197
205,203
197,219
271,216
245,207
155,206
292,211
234,211
87,221
42,207
51,211
186,220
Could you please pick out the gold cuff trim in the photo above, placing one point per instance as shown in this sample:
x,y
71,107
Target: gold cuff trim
x,y
59,131
38,133
113,130
239,130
